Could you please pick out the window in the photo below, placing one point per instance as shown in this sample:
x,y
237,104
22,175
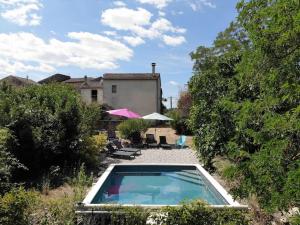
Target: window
x,y
94,95
114,89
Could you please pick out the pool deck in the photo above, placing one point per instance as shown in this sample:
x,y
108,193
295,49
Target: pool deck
x,y
184,156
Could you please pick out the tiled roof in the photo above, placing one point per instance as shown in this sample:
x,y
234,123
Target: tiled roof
x,y
55,78
131,76
91,84
82,84
18,81
78,80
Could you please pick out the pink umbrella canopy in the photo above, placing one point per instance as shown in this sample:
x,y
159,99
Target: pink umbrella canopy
x,y
124,112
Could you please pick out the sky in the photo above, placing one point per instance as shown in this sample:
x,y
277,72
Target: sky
x,y
39,38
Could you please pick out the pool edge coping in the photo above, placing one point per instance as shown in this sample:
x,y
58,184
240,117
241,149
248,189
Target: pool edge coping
x,y
95,188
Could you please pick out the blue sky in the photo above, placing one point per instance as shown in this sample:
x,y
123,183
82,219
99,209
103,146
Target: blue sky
x,y
90,37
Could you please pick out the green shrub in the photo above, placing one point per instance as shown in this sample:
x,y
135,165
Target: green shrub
x,y
295,220
50,125
8,163
80,182
59,211
99,141
198,213
179,123
16,205
194,213
91,149
131,127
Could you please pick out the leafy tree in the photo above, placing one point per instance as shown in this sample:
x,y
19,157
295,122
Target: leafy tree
x,y
246,102
184,103
210,87
49,124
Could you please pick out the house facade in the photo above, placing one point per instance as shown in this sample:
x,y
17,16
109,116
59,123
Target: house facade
x,y
139,92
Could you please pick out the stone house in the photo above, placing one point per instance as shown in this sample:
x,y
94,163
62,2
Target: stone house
x,y
139,92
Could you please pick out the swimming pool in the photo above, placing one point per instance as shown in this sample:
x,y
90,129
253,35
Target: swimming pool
x,y
157,185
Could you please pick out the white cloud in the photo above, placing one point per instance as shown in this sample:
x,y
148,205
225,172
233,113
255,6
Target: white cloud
x,y
134,41
129,20
208,3
175,13
161,13
110,33
165,25
20,52
199,4
119,3
125,18
173,40
174,83
21,12
138,22
157,3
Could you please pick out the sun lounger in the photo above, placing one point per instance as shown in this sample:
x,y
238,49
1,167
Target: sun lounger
x,y
120,147
112,151
151,142
163,142
136,140
111,135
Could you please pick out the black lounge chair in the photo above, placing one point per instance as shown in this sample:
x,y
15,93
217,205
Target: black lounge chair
x,y
120,147
163,142
112,151
151,142
111,135
136,140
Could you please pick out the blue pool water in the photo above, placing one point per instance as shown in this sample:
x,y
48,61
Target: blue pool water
x,y
156,185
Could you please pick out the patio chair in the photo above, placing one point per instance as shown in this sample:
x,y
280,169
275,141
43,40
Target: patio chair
x,y
180,143
120,147
111,135
151,142
163,142
136,141
114,152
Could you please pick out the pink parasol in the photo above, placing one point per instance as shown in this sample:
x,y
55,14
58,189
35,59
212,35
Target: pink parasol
x,y
124,112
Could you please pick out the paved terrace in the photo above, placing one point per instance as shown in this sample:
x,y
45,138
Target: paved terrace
x,y
159,156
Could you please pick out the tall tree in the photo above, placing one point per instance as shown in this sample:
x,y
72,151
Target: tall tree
x,y
246,102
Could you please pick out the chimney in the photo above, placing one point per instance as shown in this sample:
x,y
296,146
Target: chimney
x,y
85,79
153,68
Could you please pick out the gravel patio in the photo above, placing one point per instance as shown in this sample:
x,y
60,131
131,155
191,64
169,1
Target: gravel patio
x,y
159,156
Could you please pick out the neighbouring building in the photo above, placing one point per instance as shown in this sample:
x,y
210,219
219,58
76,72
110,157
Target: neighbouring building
x,y
17,81
139,92
91,89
